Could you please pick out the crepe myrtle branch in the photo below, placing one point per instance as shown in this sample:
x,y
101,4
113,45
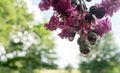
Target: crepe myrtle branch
x,y
73,17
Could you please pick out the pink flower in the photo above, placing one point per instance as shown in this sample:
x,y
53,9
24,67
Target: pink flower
x,y
53,23
111,6
44,4
103,27
70,20
72,11
61,6
67,32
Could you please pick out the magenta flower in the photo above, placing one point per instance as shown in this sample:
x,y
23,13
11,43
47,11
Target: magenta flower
x,y
44,4
72,17
103,27
66,15
53,23
61,6
111,6
72,11
70,21
67,32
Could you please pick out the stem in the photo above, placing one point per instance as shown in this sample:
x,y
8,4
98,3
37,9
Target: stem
x,y
81,6
84,4
82,11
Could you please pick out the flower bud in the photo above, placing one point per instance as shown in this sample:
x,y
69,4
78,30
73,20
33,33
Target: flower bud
x,y
81,40
92,37
93,9
100,12
84,49
71,36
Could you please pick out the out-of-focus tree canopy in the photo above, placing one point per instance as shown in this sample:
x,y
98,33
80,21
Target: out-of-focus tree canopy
x,y
12,13
104,57
27,44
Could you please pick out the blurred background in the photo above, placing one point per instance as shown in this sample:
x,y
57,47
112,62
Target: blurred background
x,y
27,47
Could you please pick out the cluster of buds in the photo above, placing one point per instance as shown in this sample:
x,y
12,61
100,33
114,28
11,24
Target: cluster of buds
x,y
84,43
73,17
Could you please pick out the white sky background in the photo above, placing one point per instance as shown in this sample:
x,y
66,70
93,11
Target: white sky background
x,y
68,51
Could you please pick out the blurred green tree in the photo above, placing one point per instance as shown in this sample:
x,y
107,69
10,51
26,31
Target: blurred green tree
x,y
27,44
69,68
103,58
12,13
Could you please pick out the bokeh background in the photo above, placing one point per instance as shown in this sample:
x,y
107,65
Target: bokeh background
x,y
27,47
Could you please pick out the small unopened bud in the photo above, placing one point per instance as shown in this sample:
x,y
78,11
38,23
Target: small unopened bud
x,y
81,40
84,49
71,36
92,37
93,9
100,12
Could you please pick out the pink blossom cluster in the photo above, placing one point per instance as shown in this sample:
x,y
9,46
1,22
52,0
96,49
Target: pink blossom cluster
x,y
111,6
72,17
65,17
104,26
